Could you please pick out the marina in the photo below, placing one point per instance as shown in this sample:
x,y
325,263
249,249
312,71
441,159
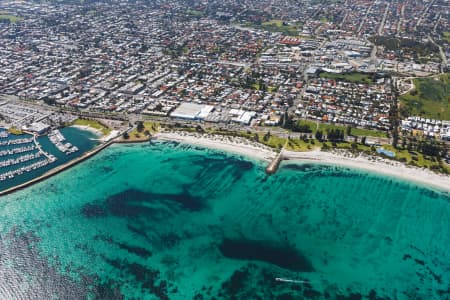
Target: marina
x,y
16,141
17,150
59,141
26,157
20,159
20,171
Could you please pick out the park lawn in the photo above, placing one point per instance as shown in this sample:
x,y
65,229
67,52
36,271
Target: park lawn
x,y
277,26
368,132
255,86
274,26
195,13
300,145
354,77
11,18
339,145
312,125
446,36
418,159
15,131
346,146
273,141
94,124
149,128
326,126
430,99
272,89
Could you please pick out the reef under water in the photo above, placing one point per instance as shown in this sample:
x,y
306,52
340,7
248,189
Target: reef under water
x,y
173,221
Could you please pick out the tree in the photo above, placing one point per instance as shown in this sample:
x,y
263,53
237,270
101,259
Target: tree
x,y
298,127
199,128
395,138
140,126
335,135
403,142
288,123
125,135
363,140
159,106
349,130
266,136
319,135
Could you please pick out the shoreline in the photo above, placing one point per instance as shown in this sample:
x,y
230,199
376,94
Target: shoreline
x,y
376,165
373,164
88,128
236,145
254,150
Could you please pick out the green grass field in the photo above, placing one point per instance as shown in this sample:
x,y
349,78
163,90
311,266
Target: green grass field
x,y
300,145
149,126
368,132
15,131
355,131
417,159
311,124
195,13
325,126
11,18
430,99
446,36
354,77
275,26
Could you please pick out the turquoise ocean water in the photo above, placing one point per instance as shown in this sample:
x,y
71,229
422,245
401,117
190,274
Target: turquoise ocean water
x,y
172,221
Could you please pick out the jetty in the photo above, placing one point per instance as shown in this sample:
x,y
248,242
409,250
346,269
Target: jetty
x,y
38,146
275,163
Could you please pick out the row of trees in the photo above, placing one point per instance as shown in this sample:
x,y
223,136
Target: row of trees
x,y
332,135
429,147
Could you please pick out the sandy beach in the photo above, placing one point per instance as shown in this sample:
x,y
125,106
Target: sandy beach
x,y
88,128
374,164
102,138
343,158
231,144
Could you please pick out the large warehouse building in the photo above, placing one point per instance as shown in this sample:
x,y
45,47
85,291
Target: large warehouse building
x,y
192,111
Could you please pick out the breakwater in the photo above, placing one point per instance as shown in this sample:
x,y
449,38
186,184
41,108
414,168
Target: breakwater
x,y
57,170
